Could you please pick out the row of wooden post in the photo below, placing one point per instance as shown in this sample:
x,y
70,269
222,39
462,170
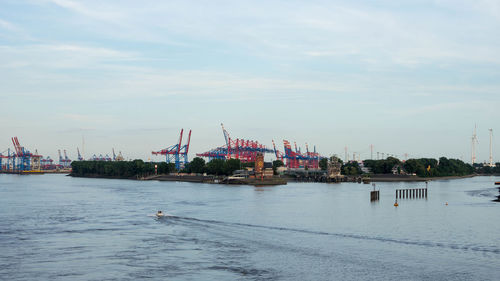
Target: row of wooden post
x,y
374,195
411,193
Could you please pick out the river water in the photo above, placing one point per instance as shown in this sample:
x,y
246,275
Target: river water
x,y
54,227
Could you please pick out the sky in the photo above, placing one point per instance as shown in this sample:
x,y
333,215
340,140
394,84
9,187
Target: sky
x,y
408,77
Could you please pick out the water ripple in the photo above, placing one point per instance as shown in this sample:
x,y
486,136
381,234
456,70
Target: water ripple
x,y
477,248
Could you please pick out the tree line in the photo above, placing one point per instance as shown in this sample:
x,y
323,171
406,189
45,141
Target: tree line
x,y
486,169
428,167
422,167
139,168
217,167
120,169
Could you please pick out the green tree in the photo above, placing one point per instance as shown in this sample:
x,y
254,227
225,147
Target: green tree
x,y
276,165
335,159
171,167
231,165
122,169
323,164
411,166
215,167
383,166
428,167
351,168
197,165
163,168
248,165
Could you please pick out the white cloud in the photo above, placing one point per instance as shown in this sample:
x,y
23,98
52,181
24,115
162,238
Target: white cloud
x,y
99,12
59,56
293,30
359,62
443,108
8,25
82,119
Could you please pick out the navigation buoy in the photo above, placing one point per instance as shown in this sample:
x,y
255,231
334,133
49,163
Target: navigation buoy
x,y
396,203
446,203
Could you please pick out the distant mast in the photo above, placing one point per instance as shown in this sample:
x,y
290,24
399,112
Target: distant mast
x,y
473,148
83,147
491,147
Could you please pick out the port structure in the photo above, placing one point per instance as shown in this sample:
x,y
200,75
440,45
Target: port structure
x,y
80,158
64,162
48,164
4,158
295,159
119,157
312,158
20,160
105,158
279,155
244,150
100,158
176,153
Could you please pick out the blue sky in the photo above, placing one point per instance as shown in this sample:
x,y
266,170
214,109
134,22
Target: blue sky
x,y
406,76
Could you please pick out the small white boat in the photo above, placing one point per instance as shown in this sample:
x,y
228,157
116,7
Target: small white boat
x,y
161,214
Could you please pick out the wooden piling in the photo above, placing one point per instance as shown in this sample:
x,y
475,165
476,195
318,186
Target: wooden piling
x,y
411,193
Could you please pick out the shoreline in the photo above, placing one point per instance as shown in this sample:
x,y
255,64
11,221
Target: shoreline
x,y
197,179
102,177
34,172
220,180
395,178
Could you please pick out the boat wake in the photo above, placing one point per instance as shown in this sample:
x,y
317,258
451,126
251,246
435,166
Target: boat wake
x,y
487,192
476,248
